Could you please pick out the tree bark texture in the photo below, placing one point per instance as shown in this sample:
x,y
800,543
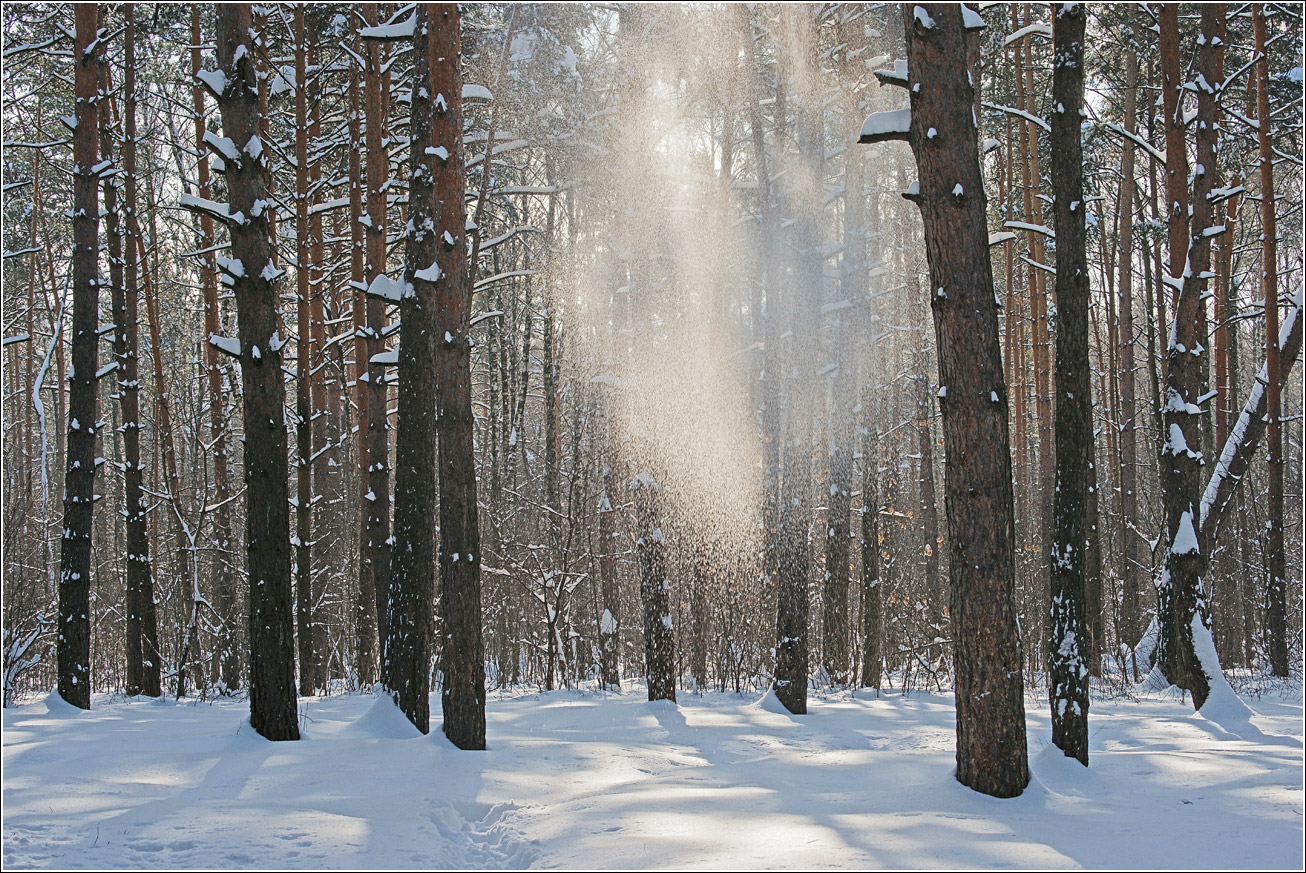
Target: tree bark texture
x,y
1182,604
463,699
1068,637
991,751
267,537
73,651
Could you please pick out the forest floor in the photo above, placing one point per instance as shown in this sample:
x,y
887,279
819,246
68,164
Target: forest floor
x,y
593,780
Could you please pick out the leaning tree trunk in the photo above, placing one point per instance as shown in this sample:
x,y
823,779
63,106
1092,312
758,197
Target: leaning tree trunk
x,y
1068,638
74,640
991,750
267,535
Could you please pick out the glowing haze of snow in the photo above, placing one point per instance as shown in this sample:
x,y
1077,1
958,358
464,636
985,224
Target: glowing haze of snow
x,y
661,313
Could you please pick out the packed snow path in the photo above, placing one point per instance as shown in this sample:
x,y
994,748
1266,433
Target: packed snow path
x,y
591,780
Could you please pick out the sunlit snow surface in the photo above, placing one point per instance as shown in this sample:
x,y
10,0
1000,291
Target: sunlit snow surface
x,y
583,779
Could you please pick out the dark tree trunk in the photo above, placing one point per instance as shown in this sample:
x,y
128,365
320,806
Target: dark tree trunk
x,y
303,393
267,536
142,656
376,478
991,750
655,591
463,700
412,559
1068,638
74,640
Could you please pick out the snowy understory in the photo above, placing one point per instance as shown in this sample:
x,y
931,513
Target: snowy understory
x,y
586,779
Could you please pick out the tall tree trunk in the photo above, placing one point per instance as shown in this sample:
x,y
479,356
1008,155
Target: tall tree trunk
x,y
367,642
793,606
267,535
991,746
308,655
225,581
118,297
1068,639
413,560
1182,600
376,499
1127,468
463,700
74,639
1276,616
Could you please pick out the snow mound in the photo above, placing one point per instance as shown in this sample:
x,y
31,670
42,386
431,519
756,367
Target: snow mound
x,y
57,706
1058,774
770,703
384,720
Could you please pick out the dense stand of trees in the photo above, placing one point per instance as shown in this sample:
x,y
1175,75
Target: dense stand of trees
x,y
605,346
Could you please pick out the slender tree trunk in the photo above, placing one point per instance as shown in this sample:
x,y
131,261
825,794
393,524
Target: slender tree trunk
x,y
74,639
365,617
609,628
1276,616
225,582
872,584
114,238
1127,471
303,401
1068,639
376,498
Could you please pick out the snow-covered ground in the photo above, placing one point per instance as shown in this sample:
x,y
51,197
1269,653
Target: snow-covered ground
x,y
576,779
